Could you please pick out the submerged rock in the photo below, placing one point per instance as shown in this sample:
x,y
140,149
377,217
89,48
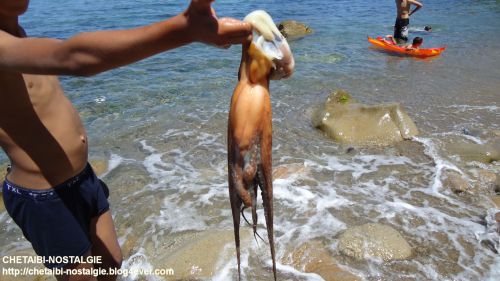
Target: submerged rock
x,y
288,170
293,30
347,121
496,200
100,166
474,152
313,257
487,177
374,240
456,182
196,255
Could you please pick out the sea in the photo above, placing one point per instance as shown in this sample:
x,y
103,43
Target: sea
x,y
161,124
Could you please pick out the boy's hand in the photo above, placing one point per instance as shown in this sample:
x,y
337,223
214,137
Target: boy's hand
x,y
205,27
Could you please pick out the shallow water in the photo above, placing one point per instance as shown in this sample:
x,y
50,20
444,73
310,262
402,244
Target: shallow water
x,y
162,124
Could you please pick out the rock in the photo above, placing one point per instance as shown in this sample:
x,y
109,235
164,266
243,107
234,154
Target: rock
x,y
313,257
374,240
293,30
349,122
471,132
487,177
288,170
474,152
196,256
496,200
455,182
100,166
488,180
129,244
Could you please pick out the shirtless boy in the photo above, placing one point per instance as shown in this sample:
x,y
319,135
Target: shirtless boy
x,y
403,19
51,192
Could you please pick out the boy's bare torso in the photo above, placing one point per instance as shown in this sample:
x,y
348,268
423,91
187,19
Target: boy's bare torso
x,y
39,128
403,9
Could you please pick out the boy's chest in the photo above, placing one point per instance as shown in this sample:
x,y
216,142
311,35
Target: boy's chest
x,y
26,90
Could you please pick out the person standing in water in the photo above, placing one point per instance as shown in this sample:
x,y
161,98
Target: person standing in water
x,y
403,19
51,192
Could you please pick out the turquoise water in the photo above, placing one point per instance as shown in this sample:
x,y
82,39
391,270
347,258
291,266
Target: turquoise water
x,y
337,55
162,124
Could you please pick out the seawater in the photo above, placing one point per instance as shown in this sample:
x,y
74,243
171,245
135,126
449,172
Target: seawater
x,y
162,122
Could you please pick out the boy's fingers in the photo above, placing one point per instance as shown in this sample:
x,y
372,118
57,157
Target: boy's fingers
x,y
232,28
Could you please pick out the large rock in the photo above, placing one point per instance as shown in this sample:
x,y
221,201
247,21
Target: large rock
x,y
313,257
374,241
293,30
469,152
349,122
196,255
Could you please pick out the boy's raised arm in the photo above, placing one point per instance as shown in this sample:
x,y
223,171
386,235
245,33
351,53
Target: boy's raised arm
x,y
93,52
417,4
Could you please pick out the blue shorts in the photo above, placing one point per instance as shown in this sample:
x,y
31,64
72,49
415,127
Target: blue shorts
x,y
57,221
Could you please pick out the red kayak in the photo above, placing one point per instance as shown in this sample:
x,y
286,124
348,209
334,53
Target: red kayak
x,y
391,47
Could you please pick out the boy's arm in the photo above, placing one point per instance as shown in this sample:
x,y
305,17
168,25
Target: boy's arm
x,y
417,4
94,52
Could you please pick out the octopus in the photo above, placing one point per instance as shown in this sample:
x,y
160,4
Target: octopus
x,y
266,57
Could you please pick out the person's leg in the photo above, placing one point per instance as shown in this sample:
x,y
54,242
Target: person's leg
x,y
397,31
77,277
105,243
401,31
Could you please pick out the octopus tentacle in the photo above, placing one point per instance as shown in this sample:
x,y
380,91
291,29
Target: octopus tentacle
x,y
240,187
236,204
265,183
254,214
243,214
255,233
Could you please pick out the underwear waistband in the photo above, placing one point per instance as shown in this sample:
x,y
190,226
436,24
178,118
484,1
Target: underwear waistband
x,y
50,193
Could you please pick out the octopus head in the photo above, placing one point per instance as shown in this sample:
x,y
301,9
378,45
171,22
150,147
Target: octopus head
x,y
269,48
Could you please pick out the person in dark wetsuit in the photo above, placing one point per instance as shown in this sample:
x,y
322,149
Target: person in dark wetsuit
x,y
403,19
